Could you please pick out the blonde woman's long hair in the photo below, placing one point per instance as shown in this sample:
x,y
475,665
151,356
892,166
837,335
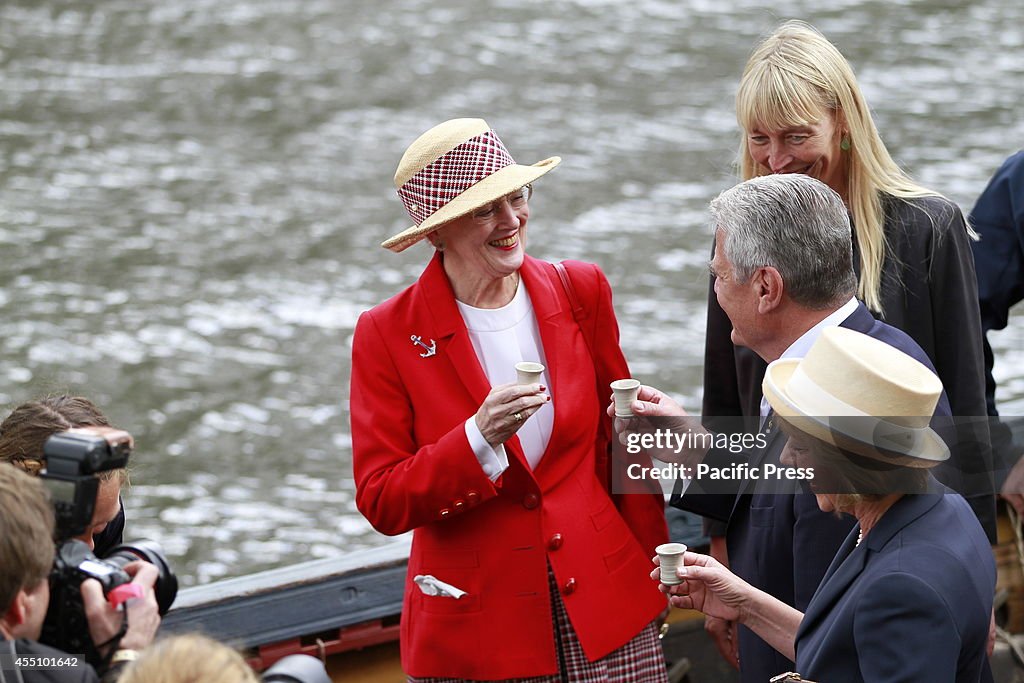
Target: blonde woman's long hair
x,y
188,658
793,78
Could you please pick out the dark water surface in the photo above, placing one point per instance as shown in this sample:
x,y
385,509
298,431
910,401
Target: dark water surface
x,y
192,195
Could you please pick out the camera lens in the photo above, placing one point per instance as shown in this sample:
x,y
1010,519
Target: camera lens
x,y
166,587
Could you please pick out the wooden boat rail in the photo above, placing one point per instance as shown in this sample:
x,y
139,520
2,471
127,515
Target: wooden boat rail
x,y
320,608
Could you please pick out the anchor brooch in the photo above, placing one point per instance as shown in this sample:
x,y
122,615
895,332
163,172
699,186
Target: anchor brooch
x,y
431,350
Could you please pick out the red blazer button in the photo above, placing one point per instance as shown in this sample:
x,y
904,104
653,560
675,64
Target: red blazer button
x,y
472,497
570,587
530,501
555,542
444,512
459,505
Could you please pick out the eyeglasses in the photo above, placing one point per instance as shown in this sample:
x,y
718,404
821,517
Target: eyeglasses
x,y
516,200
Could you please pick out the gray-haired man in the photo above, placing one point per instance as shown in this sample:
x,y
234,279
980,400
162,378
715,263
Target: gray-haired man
x,y
783,266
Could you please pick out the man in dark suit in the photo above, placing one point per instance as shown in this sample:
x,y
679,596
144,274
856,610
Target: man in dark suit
x,y
783,270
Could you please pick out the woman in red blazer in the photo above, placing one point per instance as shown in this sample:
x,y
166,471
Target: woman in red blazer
x,y
505,486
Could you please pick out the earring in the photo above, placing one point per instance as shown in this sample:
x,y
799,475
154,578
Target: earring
x,y
844,144
439,245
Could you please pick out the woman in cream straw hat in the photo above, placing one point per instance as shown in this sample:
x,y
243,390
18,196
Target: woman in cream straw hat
x,y
909,595
519,553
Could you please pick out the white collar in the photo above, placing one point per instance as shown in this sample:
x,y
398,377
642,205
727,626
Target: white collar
x,y
803,343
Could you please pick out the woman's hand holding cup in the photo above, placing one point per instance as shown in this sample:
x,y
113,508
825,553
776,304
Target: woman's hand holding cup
x,y
506,408
706,586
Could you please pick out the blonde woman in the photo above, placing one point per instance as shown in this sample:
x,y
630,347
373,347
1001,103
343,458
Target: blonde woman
x,y
801,111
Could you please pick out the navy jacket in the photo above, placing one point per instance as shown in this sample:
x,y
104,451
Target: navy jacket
x,y
910,603
998,216
783,544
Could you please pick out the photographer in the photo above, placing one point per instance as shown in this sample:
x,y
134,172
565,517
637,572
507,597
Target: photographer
x,y
26,530
26,429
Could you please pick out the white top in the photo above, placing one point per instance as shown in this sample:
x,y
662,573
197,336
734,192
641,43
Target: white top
x,y
503,337
805,341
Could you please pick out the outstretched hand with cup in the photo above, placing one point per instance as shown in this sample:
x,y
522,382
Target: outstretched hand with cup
x,y
703,584
651,402
506,408
654,409
707,586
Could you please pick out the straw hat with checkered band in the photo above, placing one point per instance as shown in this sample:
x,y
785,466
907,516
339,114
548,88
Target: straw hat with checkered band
x,y
452,169
862,395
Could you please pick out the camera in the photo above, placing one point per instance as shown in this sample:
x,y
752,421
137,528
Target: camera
x,y
73,459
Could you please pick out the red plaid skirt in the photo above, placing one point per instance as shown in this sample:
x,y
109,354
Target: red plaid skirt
x,y
641,660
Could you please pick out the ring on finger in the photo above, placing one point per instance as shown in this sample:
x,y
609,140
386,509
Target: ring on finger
x,y
517,416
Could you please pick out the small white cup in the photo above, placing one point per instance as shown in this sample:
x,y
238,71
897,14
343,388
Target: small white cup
x,y
528,372
670,558
625,391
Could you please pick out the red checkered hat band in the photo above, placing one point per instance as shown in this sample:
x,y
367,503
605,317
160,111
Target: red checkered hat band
x,y
453,173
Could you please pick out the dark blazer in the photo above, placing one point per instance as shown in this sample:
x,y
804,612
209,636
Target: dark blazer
x,y
910,603
998,216
929,290
783,544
